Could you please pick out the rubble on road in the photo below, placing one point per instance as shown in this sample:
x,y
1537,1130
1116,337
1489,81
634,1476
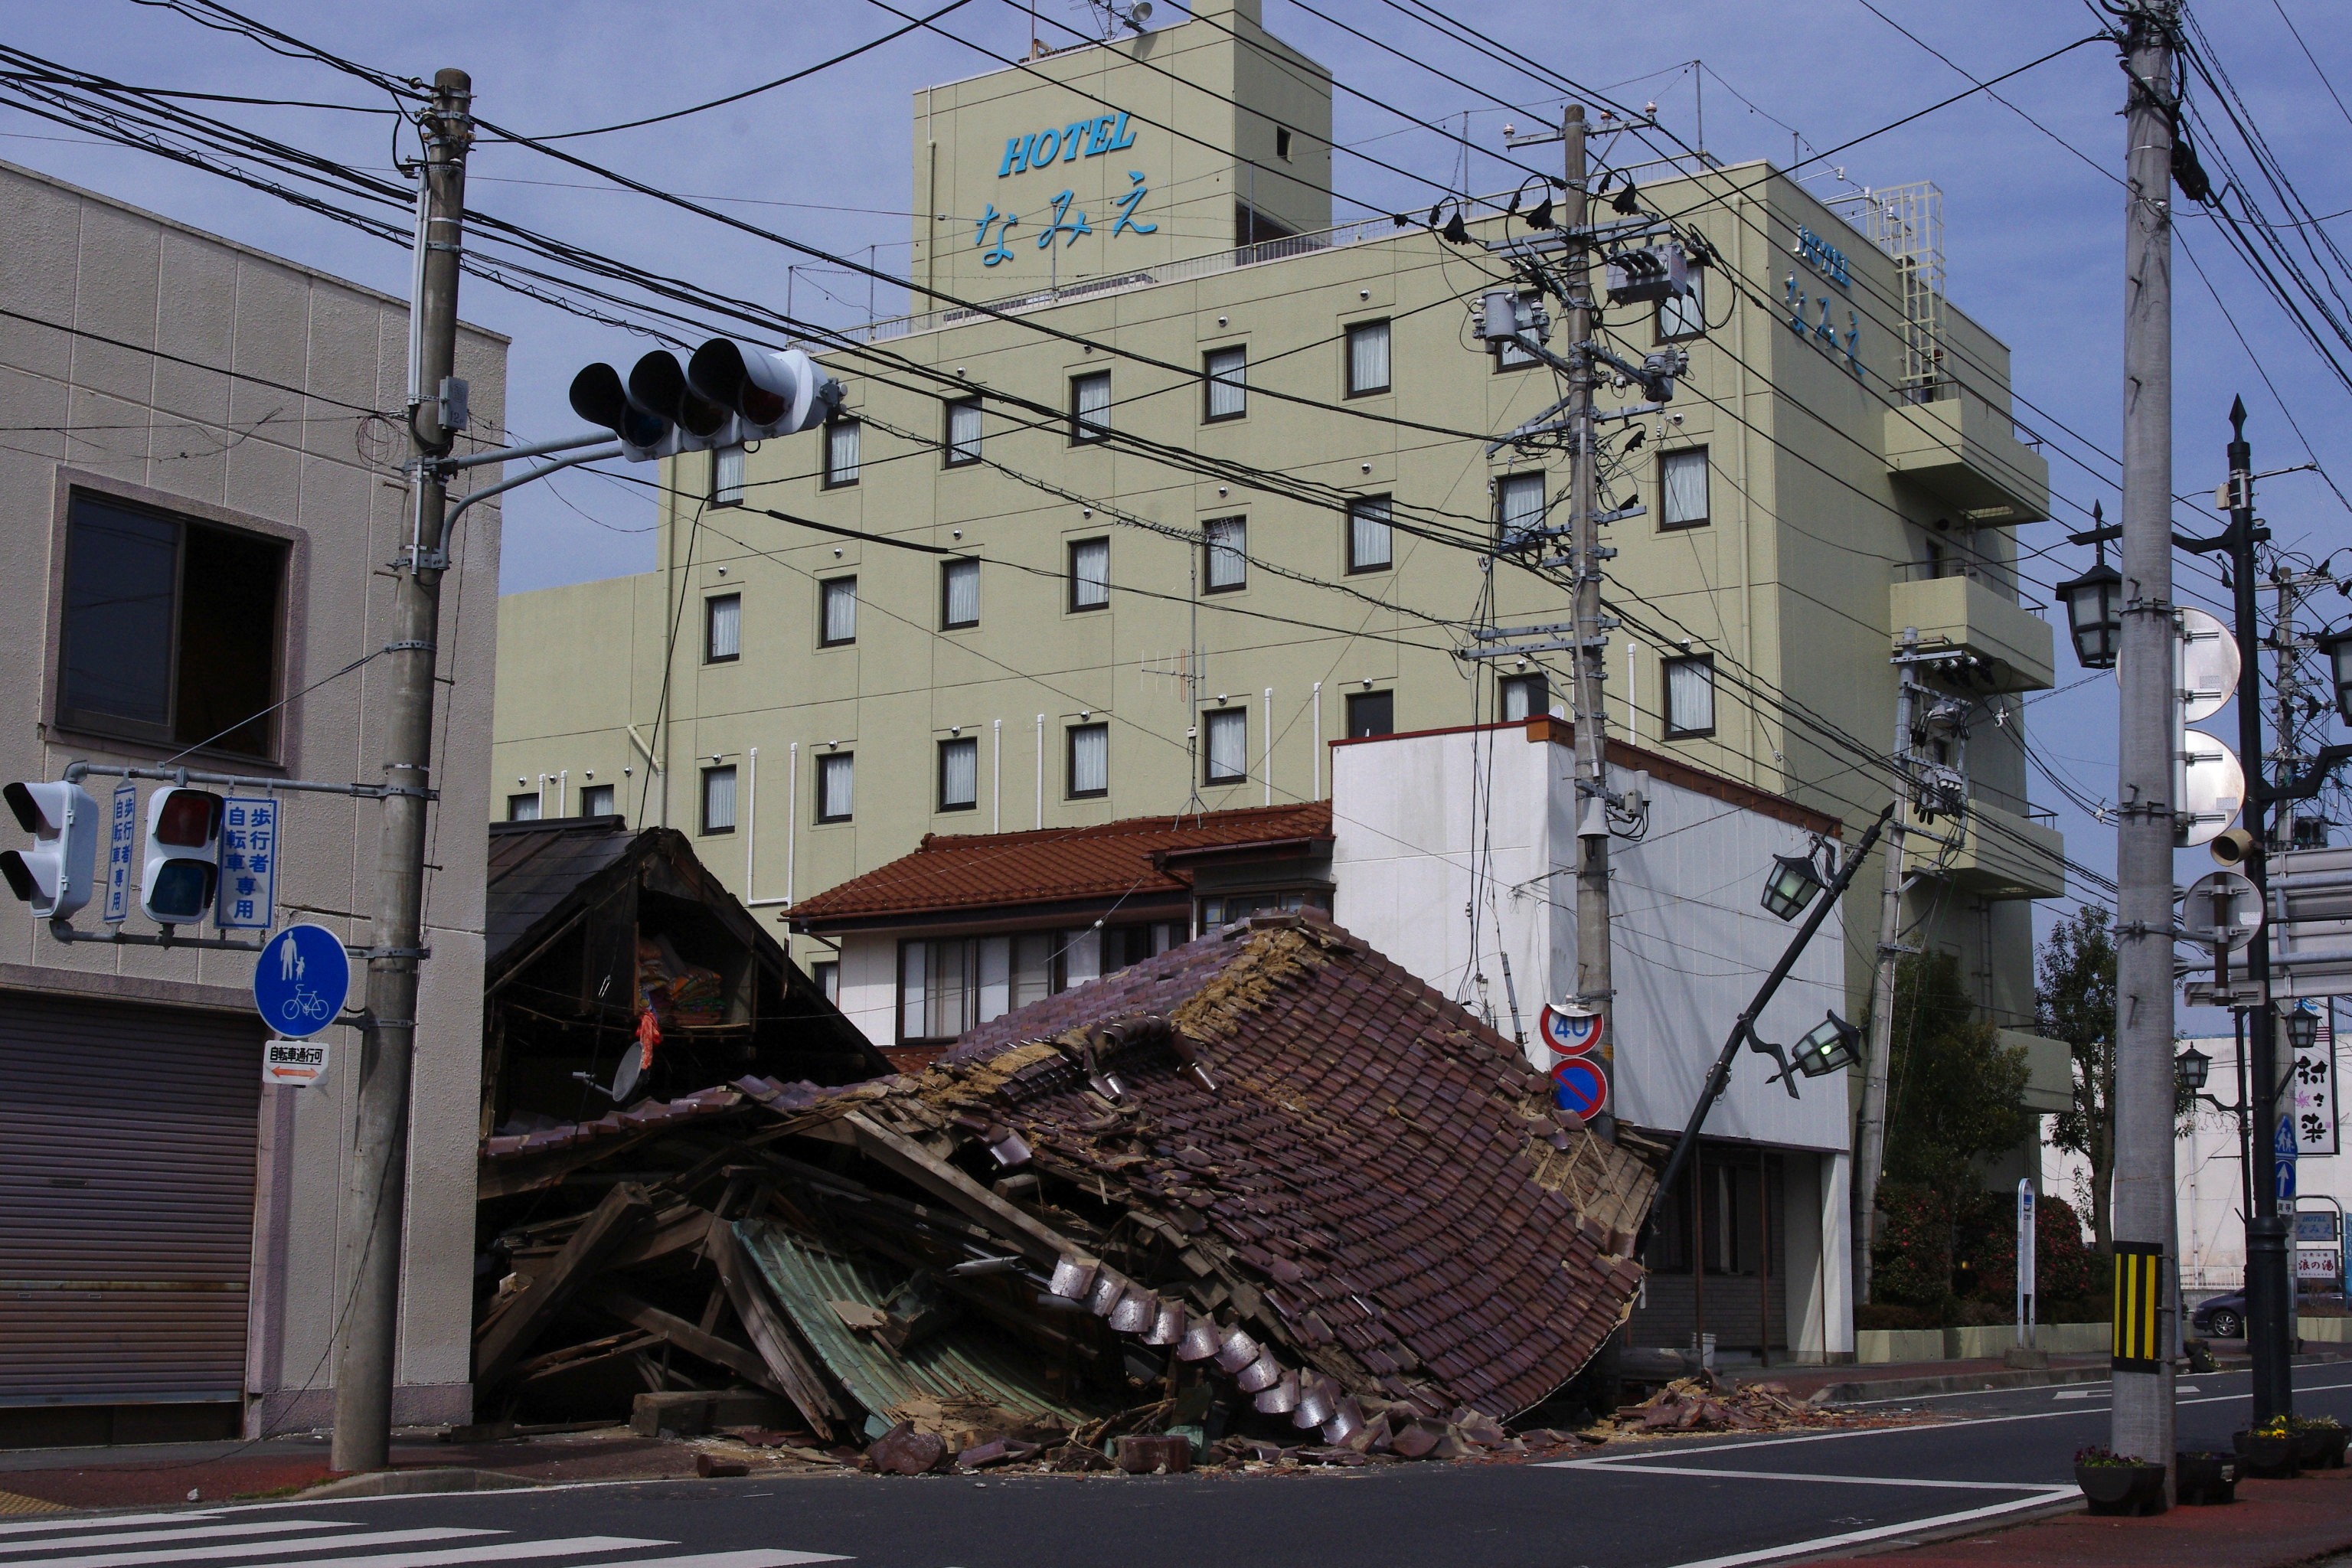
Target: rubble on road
x,y
1706,1403
1266,1196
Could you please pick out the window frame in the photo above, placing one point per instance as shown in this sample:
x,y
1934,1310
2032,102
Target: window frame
x,y
949,570
1706,472
1666,667
825,588
824,792
703,828
1533,680
1210,547
825,974
1503,346
833,427
1365,700
1081,433
538,799
950,744
1695,275
1211,381
1077,605
1503,485
711,602
285,726
588,789
1348,363
950,454
1070,733
1209,717
1356,506
722,492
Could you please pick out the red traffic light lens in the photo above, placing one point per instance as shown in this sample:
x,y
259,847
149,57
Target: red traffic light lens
x,y
190,819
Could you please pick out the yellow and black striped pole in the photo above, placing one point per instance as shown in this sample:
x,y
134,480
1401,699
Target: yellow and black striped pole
x,y
2139,1297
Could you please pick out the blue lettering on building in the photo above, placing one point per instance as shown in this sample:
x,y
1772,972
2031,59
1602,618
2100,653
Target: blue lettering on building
x,y
1064,223
1088,138
1128,203
1823,257
1823,332
990,219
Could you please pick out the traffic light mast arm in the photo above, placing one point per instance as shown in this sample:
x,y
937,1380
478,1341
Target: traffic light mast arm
x,y
2306,783
509,454
77,771
611,449
117,936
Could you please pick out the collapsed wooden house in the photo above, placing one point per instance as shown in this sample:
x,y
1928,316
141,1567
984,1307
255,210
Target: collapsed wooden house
x,y
1266,1182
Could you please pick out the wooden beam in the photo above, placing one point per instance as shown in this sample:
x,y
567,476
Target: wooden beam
x,y
675,1229
778,1347
918,1164
743,1364
612,1222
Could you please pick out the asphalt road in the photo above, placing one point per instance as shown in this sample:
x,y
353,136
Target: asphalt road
x,y
1680,1504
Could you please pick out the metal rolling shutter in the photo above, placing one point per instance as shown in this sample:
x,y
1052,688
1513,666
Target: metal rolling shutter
x,y
126,1148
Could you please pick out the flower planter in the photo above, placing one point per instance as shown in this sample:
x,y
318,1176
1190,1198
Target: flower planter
x,y
2311,1445
2272,1457
2126,1489
2206,1477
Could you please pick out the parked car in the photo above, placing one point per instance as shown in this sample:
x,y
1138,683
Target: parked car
x,y
2221,1317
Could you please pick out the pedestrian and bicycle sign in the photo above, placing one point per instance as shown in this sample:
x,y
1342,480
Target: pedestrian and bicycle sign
x,y
302,980
2284,1149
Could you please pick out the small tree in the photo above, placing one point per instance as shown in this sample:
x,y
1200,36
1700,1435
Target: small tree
x,y
1957,1094
2075,1002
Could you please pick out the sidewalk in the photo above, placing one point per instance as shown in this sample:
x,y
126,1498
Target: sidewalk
x,y
2272,1524
1852,1383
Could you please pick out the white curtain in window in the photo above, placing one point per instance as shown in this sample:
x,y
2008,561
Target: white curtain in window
x,y
841,610
1368,357
1524,697
914,972
1520,504
1229,744
726,628
1090,759
1228,552
1370,542
1682,485
1091,573
994,987
1690,695
597,800
1033,967
1093,405
1684,315
1228,375
959,774
836,777
964,432
727,475
522,808
718,800
841,451
962,594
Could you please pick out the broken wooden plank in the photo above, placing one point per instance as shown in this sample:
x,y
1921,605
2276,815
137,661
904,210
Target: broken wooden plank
x,y
778,1345
744,1364
573,1358
919,1165
613,1221
675,1229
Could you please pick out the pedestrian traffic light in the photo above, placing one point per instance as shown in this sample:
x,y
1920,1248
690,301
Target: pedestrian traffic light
x,y
56,874
183,869
774,392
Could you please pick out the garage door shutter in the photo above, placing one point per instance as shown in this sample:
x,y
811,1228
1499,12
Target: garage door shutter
x,y
126,1145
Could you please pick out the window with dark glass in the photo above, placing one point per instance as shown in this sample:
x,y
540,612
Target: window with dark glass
x,y
836,778
1089,574
841,451
1690,696
837,612
727,476
1367,358
1518,505
1371,713
826,972
958,593
722,628
1228,371
171,629
964,432
959,774
1525,697
1684,315
522,807
719,799
597,800
1091,407
1371,542
1228,748
1227,549
1682,487
1089,761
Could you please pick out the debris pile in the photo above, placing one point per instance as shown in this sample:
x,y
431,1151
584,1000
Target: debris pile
x,y
1262,1197
1708,1404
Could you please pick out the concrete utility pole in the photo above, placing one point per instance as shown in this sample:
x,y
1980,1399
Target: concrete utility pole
x,y
1870,1140
374,1204
1595,985
2145,1232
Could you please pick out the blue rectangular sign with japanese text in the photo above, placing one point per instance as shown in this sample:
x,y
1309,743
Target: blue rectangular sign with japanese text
x,y
248,864
121,843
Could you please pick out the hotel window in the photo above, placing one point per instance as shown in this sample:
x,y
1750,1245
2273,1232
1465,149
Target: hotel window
x,y
1089,574
836,779
1228,371
838,616
1690,696
1508,354
959,774
841,442
1228,750
1227,549
722,628
826,972
1089,764
964,432
1525,697
1371,713
727,476
522,807
1089,407
597,800
1518,506
1371,535
1682,488
718,800
1684,315
1367,358
959,594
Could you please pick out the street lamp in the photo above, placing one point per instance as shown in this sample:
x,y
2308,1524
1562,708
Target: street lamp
x,y
1831,1045
2337,646
2190,1069
2303,1027
2094,613
1791,886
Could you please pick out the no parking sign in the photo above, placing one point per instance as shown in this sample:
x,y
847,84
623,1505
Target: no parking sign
x,y
1579,1088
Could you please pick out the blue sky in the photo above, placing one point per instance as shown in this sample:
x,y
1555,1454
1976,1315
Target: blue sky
x,y
2034,215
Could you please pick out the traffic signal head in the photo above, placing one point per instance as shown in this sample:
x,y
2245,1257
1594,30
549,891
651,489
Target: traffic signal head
x,y
55,875
774,392
598,396
183,870
657,386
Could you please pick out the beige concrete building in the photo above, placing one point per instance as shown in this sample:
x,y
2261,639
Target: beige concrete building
x,y
199,497
1203,500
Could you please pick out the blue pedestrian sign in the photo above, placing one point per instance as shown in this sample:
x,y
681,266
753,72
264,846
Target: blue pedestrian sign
x,y
301,980
2285,1149
248,864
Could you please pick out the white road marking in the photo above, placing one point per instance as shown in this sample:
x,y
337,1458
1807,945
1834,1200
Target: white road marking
x,y
752,1559
240,1548
2080,1393
187,1533
2042,1497
1833,1480
105,1522
504,1552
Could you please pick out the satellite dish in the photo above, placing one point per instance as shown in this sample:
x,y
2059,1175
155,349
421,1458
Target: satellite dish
x,y
2208,665
2222,910
2212,790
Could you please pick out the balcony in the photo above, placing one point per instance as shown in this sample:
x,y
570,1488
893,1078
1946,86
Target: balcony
x,y
2014,645
2049,1067
1959,453
1999,854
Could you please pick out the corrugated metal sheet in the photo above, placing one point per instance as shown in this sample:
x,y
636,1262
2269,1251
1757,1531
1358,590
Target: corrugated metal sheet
x,y
126,1146
950,1368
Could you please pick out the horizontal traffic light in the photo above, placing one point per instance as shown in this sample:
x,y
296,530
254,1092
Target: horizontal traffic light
x,y
774,392
56,874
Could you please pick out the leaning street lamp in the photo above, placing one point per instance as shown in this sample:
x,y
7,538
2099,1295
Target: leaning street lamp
x,y
2190,1069
2303,1027
2337,646
1791,886
1831,1045
2094,613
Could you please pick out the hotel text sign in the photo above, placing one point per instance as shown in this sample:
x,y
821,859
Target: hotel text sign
x,y
1040,148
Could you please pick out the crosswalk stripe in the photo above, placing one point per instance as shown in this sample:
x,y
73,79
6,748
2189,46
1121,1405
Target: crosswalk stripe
x,y
504,1552
754,1559
50,1526
246,1549
147,1537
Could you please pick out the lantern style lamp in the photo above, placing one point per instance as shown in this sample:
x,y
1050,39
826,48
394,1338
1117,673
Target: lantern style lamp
x,y
2337,646
2094,613
1792,885
2303,1027
2189,1067
1831,1045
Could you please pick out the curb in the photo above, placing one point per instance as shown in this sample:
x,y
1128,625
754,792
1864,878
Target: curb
x,y
409,1483
1956,1383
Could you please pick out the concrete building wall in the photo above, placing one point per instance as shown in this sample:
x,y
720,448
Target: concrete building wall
x,y
154,363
